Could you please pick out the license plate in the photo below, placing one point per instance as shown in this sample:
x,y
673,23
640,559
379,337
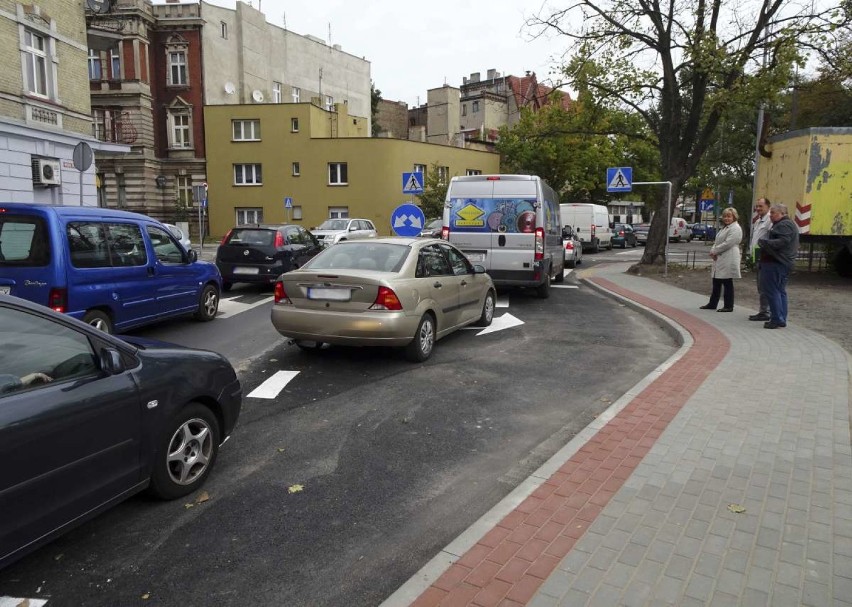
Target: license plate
x,y
239,270
475,257
329,294
5,290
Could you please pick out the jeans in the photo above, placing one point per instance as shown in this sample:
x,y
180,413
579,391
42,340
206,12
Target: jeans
x,y
773,282
728,284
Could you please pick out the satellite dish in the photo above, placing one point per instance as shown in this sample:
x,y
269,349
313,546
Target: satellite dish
x,y
257,95
229,88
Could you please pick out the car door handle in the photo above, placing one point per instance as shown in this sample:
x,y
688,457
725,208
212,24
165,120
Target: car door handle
x,y
464,283
150,271
437,284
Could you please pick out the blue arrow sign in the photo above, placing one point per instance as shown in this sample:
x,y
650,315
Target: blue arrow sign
x,y
412,183
408,219
288,203
619,179
204,203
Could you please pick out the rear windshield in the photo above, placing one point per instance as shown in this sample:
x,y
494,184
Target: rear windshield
x,y
504,215
383,257
334,224
23,241
252,236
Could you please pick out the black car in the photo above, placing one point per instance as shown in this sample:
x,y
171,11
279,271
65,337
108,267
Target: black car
x,y
87,420
623,235
433,228
259,254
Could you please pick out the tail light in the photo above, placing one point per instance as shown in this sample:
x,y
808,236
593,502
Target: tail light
x,y
593,231
281,294
621,232
386,299
279,240
539,244
57,300
225,237
569,246
445,232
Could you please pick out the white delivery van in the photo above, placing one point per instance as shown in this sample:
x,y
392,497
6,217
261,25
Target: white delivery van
x,y
590,222
679,230
510,225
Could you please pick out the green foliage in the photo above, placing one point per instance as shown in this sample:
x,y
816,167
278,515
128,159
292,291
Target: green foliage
x,y
434,193
375,97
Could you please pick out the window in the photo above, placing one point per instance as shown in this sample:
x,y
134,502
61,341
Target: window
x,y
166,248
247,174
94,65
249,216
177,68
105,245
184,190
420,168
296,169
246,130
473,172
180,130
35,52
121,184
338,212
277,97
296,94
475,105
458,262
22,241
443,174
224,29
294,125
297,212
431,262
337,173
329,102
115,64
464,109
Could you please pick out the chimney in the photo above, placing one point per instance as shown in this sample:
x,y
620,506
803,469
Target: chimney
x,y
492,74
474,77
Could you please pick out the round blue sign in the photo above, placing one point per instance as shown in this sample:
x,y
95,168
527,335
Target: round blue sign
x,y
408,220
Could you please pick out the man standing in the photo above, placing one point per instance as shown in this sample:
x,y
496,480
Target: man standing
x,y
777,254
759,229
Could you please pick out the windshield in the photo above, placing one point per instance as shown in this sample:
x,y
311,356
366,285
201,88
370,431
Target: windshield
x,y
334,224
383,257
251,236
23,241
504,215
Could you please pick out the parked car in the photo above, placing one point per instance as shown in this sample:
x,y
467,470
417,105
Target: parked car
x,y
112,269
623,235
332,231
182,238
640,230
573,247
87,419
405,292
703,231
258,254
432,229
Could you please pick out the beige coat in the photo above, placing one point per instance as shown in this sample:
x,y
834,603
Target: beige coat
x,y
727,247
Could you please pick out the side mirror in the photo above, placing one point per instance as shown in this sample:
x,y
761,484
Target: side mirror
x,y
193,255
111,361
478,269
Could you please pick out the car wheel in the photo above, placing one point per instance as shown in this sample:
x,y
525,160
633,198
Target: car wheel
x,y
99,320
308,346
543,290
186,452
420,348
571,264
226,286
208,304
560,275
487,310
596,247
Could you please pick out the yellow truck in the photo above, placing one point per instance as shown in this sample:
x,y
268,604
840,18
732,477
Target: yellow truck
x,y
810,171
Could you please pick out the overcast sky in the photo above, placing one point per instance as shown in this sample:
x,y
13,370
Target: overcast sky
x,y
413,47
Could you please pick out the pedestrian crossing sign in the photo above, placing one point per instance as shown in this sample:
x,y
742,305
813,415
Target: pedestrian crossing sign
x,y
412,183
619,179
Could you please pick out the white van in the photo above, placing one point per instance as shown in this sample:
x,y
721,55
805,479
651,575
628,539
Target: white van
x,y
510,225
590,222
679,230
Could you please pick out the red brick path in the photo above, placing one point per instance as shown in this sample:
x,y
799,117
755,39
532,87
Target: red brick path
x,y
507,566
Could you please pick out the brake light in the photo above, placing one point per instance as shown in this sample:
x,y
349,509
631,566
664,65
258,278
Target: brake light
x,y
593,231
492,178
57,300
569,246
386,299
281,294
539,244
621,232
279,239
445,232
225,237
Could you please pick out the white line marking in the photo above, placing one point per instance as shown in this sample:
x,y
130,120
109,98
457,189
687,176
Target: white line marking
x,y
507,321
567,271
502,301
273,385
229,308
564,286
8,601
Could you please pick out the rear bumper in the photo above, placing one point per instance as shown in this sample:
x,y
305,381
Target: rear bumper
x,y
266,274
342,328
523,278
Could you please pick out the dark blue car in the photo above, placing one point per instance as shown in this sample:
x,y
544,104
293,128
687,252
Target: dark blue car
x,y
703,231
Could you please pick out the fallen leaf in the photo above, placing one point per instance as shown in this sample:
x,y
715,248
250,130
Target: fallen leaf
x,y
188,506
295,488
202,497
736,508
280,449
146,596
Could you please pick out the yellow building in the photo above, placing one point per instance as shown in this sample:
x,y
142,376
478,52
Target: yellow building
x,y
325,162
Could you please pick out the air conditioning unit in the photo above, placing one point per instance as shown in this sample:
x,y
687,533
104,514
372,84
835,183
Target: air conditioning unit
x,y
46,172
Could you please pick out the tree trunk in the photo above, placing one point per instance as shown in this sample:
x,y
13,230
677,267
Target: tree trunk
x,y
655,247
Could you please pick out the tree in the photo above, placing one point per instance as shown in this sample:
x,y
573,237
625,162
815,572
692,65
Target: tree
x,y
684,67
375,98
434,193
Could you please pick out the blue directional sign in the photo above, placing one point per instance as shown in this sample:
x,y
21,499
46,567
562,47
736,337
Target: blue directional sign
x,y
412,183
706,205
204,202
619,179
288,203
408,219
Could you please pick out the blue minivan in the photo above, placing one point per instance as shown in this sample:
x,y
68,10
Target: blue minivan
x,y
111,269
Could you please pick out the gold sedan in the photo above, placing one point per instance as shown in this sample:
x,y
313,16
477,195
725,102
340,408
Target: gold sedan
x,y
405,292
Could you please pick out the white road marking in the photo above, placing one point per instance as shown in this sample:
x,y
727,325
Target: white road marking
x,y
502,301
8,601
273,385
567,271
230,307
506,321
564,286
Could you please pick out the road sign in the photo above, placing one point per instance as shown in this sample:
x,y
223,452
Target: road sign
x,y
288,203
619,179
408,219
708,201
204,202
82,156
412,183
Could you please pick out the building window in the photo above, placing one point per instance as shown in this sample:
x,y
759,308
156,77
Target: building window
x,y
121,184
277,97
294,125
177,68
115,64
180,130
297,212
296,94
337,173
329,102
246,130
475,107
94,65
35,55
443,174
296,169
420,168
107,124
338,212
248,216
247,174
473,172
464,109
183,185
224,27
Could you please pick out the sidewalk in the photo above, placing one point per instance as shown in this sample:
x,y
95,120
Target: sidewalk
x,y
723,478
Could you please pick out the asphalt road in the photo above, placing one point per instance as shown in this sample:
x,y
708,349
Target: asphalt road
x,y
363,467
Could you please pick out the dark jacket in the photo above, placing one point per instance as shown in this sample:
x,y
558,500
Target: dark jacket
x,y
781,244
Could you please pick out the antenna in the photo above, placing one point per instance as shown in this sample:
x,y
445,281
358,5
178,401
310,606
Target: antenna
x,y
329,33
284,19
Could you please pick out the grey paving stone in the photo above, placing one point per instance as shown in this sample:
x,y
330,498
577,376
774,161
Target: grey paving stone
x,y
815,595
668,590
557,584
605,596
632,554
636,594
723,599
708,564
759,578
603,558
588,579
699,587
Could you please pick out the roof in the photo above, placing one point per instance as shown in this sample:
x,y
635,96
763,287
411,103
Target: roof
x,y
529,93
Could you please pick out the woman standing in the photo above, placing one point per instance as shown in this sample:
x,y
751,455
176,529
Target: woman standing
x,y
726,261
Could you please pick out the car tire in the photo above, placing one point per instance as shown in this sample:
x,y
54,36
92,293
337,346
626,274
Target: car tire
x,y
487,310
308,346
421,347
226,286
99,320
186,453
560,275
543,290
208,304
596,246
571,264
